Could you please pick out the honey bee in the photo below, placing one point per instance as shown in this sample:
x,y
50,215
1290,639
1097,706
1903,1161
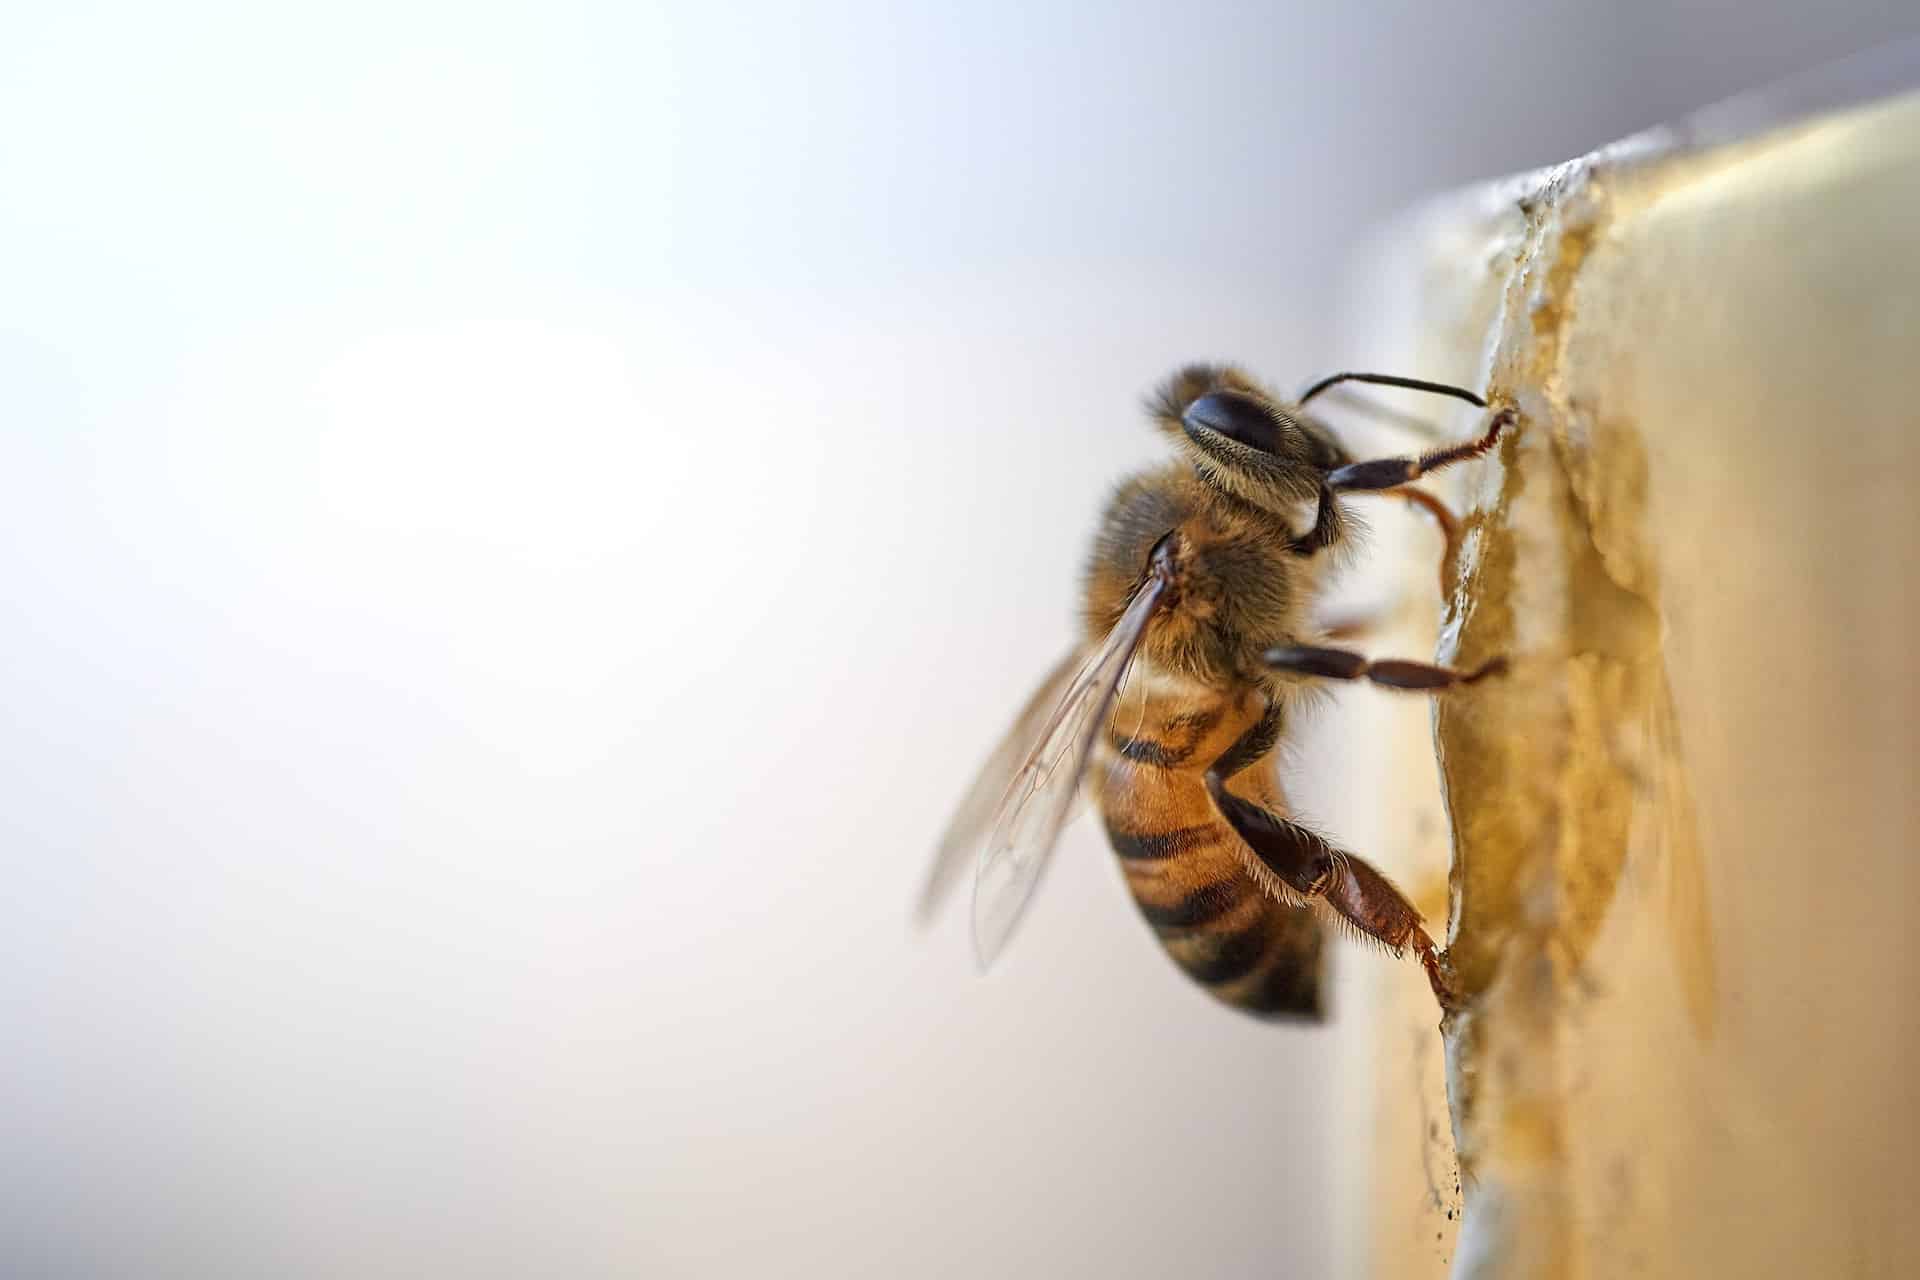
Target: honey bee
x,y
1201,639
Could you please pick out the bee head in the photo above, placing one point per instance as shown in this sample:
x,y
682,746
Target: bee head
x,y
1243,440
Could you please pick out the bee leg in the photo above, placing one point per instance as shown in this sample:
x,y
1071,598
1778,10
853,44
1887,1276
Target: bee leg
x,y
1370,903
1302,859
1348,628
1326,526
1311,867
1394,673
1390,473
1449,530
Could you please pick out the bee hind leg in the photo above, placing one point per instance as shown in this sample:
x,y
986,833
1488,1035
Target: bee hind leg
x,y
1313,870
1372,904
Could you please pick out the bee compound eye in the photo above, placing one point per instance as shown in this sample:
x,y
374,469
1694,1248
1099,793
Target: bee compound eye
x,y
1237,416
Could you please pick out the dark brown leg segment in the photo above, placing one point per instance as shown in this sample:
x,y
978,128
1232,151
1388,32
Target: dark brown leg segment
x,y
1306,863
1326,526
1302,859
1394,673
1389,473
1369,902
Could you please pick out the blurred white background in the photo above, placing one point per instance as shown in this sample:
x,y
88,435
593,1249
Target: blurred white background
x,y
520,521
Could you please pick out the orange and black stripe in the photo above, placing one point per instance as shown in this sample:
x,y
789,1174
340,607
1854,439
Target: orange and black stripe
x,y
1183,863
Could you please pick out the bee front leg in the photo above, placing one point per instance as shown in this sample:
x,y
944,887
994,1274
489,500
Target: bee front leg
x,y
1390,473
1449,529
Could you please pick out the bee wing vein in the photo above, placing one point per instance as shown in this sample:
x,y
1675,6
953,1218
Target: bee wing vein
x,y
1038,802
959,844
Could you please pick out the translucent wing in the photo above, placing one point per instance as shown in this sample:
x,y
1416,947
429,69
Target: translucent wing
x,y
1041,797
958,846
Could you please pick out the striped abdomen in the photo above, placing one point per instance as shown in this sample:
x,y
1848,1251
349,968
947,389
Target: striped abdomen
x,y
1187,868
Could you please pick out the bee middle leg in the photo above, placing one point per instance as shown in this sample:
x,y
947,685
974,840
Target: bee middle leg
x,y
1394,673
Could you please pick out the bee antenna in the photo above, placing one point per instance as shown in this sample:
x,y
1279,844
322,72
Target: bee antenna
x,y
1389,380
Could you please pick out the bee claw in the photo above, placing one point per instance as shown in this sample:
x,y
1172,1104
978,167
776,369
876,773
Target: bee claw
x,y
1440,976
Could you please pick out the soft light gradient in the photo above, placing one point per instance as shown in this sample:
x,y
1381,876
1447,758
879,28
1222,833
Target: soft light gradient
x,y
516,523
